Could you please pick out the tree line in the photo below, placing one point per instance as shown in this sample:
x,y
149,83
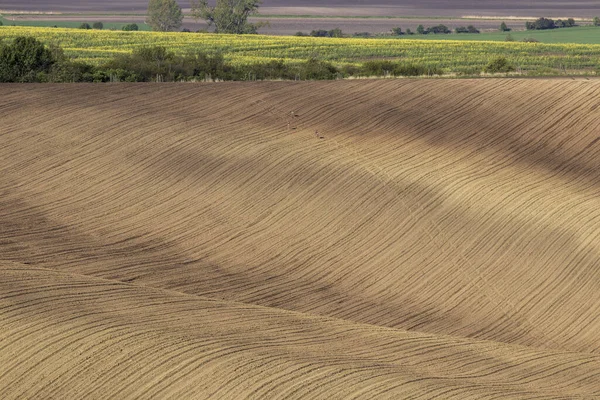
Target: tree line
x,y
227,16
547,23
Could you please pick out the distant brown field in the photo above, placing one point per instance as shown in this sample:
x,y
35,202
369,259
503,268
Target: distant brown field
x,y
440,240
290,26
428,13
533,8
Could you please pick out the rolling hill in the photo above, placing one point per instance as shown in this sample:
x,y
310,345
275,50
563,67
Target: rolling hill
x,y
440,240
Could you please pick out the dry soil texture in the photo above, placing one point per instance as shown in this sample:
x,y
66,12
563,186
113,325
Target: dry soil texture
x,y
532,8
440,240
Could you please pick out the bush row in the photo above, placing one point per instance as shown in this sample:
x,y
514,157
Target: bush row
x,y
28,60
100,26
547,23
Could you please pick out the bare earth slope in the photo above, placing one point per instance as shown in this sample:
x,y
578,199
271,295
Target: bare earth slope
x,y
70,336
441,240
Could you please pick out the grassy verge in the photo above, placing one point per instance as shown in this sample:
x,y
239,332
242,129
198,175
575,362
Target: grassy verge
x,y
68,24
580,35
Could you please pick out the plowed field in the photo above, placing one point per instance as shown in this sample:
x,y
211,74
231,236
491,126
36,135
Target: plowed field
x,y
345,239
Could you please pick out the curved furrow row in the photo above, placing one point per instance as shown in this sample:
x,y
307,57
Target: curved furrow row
x,y
141,342
445,206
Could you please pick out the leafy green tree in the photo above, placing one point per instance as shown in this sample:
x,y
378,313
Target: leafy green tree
x,y
596,21
164,15
397,31
504,27
228,16
421,30
85,25
98,25
26,59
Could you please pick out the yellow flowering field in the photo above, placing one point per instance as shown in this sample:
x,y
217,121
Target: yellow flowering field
x,y
451,56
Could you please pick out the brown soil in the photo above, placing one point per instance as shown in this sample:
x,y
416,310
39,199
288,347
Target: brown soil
x,y
179,241
289,26
532,8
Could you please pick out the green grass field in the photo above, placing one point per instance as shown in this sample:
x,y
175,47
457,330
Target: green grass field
x,y
581,35
69,24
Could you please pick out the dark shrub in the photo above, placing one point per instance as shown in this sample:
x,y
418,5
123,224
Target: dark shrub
x,y
130,27
319,33
350,70
416,70
337,32
540,24
98,25
391,68
378,68
314,69
499,64
85,25
439,29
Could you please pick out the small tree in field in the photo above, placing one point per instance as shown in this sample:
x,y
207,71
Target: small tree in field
x,y
98,25
85,25
228,16
164,15
596,21
504,27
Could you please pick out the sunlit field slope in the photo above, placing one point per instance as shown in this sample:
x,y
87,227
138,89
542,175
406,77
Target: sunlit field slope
x,y
342,239
451,56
